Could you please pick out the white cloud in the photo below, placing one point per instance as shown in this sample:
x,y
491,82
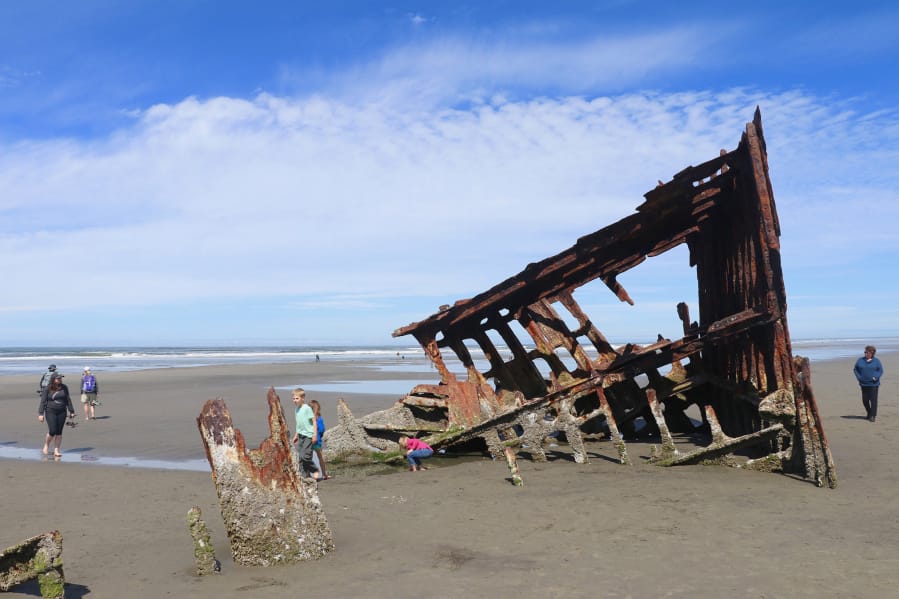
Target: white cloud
x,y
242,198
463,68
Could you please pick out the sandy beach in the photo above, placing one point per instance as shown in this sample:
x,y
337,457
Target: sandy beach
x,y
459,529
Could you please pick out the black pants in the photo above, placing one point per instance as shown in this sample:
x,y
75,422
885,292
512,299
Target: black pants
x,y
869,400
56,420
304,448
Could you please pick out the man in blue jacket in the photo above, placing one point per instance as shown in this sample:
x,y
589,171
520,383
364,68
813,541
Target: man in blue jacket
x,y
868,371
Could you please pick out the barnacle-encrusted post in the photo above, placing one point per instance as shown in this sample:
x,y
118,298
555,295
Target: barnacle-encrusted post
x,y
272,516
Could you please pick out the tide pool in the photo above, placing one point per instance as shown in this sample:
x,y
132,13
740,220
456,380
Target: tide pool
x,y
398,387
23,453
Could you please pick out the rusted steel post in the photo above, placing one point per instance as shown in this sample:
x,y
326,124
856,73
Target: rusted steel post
x,y
272,516
536,428
204,552
817,462
572,428
711,417
512,461
668,448
614,433
494,443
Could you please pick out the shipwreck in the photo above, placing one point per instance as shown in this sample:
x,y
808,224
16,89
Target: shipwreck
x,y
733,365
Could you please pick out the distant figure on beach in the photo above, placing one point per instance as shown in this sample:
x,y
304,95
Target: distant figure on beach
x,y
55,402
868,371
45,378
320,429
89,390
306,433
416,451
317,359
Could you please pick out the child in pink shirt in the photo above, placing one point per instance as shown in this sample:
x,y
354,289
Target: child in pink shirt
x,y
416,451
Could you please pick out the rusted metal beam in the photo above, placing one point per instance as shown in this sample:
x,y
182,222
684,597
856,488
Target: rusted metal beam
x,y
726,445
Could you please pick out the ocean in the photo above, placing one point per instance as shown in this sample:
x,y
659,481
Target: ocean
x,y
30,360
406,359
34,360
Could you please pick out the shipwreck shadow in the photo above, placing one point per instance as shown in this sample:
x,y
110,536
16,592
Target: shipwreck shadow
x,y
800,478
556,455
31,587
102,417
853,417
602,456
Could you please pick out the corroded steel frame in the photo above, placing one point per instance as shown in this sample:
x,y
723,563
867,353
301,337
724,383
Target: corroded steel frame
x,y
740,369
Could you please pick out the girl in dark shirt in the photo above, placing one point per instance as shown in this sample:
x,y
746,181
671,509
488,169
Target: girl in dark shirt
x,y
55,401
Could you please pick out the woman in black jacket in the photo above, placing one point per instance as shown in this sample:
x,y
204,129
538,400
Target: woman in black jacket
x,y
55,401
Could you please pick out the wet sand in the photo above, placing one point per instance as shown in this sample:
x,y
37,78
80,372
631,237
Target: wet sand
x,y
459,529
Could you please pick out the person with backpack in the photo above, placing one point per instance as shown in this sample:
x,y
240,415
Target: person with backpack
x,y
45,378
89,389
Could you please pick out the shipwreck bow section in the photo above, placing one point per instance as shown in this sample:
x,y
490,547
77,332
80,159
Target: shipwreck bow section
x,y
734,363
272,516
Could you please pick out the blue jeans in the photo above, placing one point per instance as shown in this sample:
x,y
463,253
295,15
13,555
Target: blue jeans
x,y
415,457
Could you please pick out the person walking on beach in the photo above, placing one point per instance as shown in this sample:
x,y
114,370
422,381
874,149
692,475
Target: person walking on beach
x,y
416,451
55,402
868,371
306,433
45,378
89,390
320,429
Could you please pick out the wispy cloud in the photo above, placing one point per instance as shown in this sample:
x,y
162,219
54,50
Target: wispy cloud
x,y
11,78
230,197
460,68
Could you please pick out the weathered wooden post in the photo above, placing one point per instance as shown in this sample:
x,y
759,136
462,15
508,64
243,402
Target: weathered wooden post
x,y
272,516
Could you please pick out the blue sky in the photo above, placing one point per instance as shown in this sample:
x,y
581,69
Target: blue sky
x,y
214,172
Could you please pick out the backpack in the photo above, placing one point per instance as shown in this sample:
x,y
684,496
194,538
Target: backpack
x,y
89,384
45,380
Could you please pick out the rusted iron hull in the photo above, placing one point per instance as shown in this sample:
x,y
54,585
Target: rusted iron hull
x,y
728,362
